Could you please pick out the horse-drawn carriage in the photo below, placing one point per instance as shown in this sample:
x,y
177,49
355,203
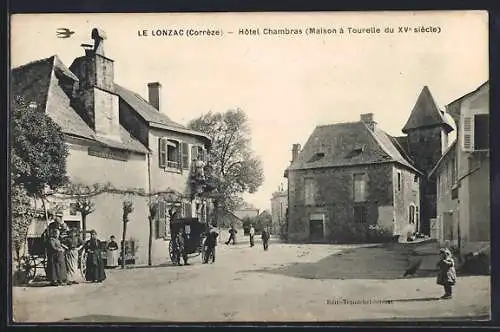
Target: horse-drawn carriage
x,y
195,235
34,263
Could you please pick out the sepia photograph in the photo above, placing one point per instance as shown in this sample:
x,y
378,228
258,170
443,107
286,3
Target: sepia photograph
x,y
250,167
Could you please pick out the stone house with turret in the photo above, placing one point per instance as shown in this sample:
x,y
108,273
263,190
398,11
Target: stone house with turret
x,y
119,140
357,173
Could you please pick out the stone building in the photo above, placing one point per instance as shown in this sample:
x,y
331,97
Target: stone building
x,y
279,206
463,176
357,173
119,141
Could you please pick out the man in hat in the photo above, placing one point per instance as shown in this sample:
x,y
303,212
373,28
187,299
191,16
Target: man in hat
x,y
59,224
210,244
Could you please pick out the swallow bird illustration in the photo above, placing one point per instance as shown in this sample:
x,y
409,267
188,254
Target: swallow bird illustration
x,y
64,33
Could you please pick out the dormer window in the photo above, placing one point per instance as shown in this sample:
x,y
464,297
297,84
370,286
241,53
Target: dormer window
x,y
357,150
317,156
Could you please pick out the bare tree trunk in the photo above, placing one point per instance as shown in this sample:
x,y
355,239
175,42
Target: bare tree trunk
x,y
84,226
44,208
150,242
123,241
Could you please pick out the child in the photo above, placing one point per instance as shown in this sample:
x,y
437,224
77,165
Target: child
x,y
447,275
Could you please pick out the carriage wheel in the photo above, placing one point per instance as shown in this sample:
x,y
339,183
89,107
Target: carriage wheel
x,y
83,264
29,267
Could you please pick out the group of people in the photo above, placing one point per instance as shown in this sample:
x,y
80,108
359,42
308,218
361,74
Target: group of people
x,y
63,248
179,246
264,236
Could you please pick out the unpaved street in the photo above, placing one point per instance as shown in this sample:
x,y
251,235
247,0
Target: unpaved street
x,y
287,283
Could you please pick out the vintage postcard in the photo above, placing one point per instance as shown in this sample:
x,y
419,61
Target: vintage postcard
x,y
250,167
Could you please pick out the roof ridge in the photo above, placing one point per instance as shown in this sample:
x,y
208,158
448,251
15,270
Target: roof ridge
x,y
34,62
338,124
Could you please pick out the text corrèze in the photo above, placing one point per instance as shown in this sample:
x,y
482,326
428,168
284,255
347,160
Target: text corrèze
x,y
179,32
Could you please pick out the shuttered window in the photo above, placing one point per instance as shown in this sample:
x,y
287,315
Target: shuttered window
x,y
161,221
187,210
162,152
185,155
360,213
194,152
481,131
467,139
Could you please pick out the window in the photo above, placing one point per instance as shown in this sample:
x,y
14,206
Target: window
x,y
481,131
359,187
309,191
187,210
411,214
198,152
360,213
399,182
173,154
475,132
415,178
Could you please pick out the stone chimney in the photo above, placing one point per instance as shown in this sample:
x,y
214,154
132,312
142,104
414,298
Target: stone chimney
x,y
295,152
367,118
154,90
95,99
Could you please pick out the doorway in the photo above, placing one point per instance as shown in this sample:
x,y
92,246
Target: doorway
x,y
316,232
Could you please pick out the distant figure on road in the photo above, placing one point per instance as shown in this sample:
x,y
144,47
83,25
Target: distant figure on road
x,y
232,235
210,243
265,238
447,275
252,235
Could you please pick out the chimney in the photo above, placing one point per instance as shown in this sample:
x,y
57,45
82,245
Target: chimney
x,y
367,119
295,152
154,90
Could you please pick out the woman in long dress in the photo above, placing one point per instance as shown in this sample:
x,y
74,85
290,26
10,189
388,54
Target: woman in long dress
x,y
56,264
74,243
95,266
113,253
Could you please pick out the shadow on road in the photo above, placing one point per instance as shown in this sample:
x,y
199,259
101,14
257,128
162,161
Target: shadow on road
x,y
422,299
384,261
107,319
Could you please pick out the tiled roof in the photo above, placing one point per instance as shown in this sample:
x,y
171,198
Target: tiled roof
x,y
151,114
348,144
144,108
425,113
443,157
39,81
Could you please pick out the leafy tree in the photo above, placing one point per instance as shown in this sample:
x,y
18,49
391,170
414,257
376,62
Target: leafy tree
x,y
235,168
264,219
38,150
22,214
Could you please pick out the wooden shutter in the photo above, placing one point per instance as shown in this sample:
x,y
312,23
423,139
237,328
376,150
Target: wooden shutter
x,y
194,152
185,155
468,133
203,154
162,152
161,225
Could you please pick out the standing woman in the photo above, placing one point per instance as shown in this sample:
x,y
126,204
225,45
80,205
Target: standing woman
x,y
56,264
95,266
113,253
74,244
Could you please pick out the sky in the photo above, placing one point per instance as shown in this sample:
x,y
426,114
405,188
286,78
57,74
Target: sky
x,y
286,84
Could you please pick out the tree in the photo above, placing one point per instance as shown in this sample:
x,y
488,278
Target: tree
x,y
38,150
82,194
235,168
264,219
22,214
153,212
128,208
